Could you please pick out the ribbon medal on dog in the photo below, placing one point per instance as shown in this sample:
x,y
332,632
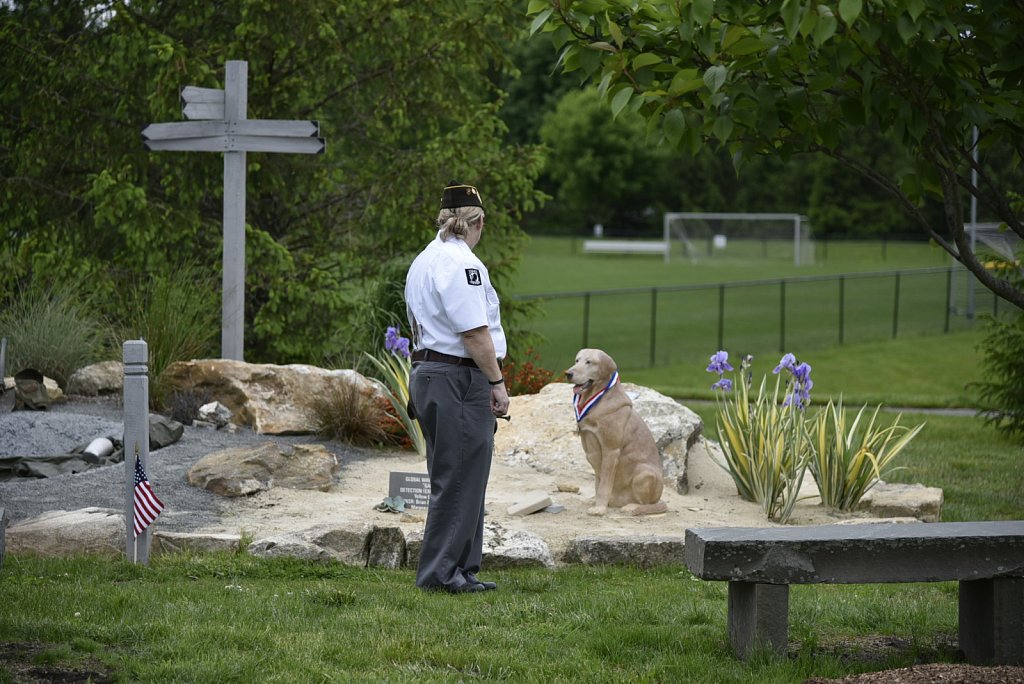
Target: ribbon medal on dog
x,y
581,412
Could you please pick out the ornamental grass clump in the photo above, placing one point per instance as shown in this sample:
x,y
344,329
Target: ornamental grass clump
x,y
849,461
764,440
770,444
395,365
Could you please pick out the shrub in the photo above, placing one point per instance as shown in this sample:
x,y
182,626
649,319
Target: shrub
x,y
178,315
346,413
53,330
525,376
1001,393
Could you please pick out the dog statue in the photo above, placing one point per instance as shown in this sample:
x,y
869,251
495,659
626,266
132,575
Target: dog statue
x,y
618,444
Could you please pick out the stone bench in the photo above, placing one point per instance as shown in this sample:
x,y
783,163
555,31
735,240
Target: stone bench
x,y
986,558
626,247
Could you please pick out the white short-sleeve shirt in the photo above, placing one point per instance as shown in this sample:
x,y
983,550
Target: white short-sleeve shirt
x,y
447,292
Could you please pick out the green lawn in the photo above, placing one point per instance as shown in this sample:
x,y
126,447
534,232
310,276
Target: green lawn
x,y
649,314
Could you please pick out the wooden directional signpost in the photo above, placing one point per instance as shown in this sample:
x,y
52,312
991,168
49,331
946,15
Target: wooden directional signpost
x,y
218,123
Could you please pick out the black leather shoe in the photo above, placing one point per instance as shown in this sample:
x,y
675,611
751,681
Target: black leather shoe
x,y
467,588
487,586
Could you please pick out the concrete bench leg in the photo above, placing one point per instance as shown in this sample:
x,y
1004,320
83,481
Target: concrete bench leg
x,y
992,620
758,616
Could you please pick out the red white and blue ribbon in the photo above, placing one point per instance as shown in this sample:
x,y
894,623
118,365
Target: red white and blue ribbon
x,y
581,411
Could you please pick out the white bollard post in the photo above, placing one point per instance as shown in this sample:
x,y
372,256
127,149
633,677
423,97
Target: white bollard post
x,y
136,439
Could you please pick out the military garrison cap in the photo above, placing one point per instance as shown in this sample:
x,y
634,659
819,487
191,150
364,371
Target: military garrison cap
x,y
458,195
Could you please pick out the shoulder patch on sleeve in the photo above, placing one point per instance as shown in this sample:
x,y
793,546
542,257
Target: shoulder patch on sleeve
x,y
473,276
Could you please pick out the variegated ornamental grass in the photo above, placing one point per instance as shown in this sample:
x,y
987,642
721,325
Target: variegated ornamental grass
x,y
395,366
847,461
770,443
765,446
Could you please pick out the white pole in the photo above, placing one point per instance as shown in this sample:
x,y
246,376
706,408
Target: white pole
x,y
136,439
796,240
233,312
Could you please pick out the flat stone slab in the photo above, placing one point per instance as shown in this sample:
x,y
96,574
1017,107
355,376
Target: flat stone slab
x,y
858,554
530,503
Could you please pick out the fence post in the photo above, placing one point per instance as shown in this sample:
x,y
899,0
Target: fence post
x,y
586,319
842,311
136,440
721,316
654,324
896,306
782,315
949,296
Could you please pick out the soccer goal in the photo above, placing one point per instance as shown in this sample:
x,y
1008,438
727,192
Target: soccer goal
x,y
999,250
707,235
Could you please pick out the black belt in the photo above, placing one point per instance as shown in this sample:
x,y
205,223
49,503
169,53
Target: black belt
x,y
438,357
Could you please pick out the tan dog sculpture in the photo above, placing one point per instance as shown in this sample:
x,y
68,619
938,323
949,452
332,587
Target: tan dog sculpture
x,y
618,444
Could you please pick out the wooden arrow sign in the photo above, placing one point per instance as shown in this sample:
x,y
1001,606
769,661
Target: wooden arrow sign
x,y
202,103
249,135
240,143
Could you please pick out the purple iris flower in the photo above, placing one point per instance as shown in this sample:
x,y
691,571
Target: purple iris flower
x,y
724,384
801,384
787,362
719,363
395,343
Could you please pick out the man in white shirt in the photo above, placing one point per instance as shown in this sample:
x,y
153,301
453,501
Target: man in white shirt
x,y
456,388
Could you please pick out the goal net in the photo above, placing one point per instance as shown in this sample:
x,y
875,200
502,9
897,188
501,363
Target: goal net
x,y
999,250
711,235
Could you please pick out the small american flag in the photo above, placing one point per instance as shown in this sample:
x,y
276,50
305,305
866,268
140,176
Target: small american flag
x,y
147,506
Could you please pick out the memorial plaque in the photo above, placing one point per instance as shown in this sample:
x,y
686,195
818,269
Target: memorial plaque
x,y
414,488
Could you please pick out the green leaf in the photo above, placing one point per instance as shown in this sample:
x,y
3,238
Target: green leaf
x,y
792,12
616,32
906,28
807,24
620,100
722,128
849,10
674,125
645,59
540,20
602,45
537,6
915,8
714,78
747,46
702,10
826,26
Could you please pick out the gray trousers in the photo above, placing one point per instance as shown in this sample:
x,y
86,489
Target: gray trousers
x,y
452,404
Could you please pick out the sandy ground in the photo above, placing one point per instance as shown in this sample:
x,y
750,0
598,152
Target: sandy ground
x,y
711,501
362,484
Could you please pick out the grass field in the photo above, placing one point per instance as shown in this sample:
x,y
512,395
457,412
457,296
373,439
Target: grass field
x,y
652,314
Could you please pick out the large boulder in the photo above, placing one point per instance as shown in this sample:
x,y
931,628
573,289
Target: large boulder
x,y
68,533
241,471
543,434
272,399
97,380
